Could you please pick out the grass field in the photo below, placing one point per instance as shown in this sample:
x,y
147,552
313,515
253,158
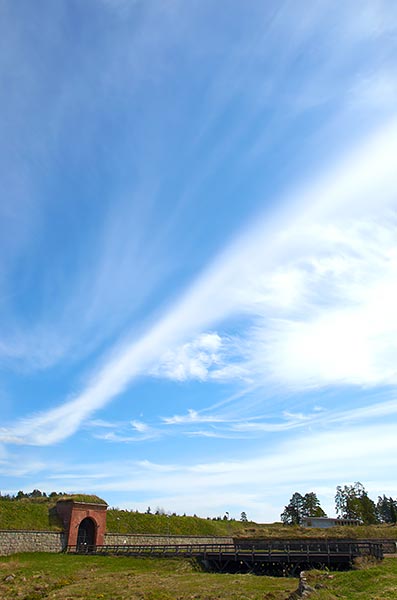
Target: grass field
x,y
40,576
373,582
66,577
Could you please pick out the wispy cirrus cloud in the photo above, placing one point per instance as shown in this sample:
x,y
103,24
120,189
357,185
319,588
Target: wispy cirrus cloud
x,y
364,180
314,458
231,424
324,418
35,142
325,317
131,431
192,416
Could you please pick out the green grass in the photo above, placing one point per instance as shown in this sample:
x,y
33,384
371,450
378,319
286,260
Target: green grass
x,y
91,498
373,582
119,521
66,577
37,514
26,514
278,530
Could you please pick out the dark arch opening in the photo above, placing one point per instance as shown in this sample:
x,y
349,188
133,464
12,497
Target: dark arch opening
x,y
86,534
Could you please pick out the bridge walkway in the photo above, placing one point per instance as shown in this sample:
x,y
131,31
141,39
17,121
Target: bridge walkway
x,y
226,557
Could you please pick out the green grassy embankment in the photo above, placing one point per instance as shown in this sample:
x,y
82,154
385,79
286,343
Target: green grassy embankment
x,y
37,514
64,577
376,581
278,530
25,514
120,521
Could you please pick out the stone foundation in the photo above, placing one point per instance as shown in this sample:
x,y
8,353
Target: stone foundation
x,y
31,541
135,539
12,541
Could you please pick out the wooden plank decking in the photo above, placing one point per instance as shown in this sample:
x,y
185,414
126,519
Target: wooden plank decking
x,y
276,553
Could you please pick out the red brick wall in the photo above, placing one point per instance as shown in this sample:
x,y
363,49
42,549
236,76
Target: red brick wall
x,y
72,513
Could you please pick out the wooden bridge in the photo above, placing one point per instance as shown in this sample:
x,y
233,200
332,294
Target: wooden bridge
x,y
283,556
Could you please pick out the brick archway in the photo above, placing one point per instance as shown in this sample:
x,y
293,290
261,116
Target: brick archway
x,y
86,519
86,533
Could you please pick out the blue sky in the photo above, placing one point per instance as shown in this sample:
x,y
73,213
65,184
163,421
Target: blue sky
x,y
198,273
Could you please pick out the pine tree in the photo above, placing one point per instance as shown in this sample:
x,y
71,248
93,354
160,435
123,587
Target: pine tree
x,y
311,506
353,502
301,506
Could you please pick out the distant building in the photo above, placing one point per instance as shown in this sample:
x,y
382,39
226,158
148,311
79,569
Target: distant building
x,y
326,522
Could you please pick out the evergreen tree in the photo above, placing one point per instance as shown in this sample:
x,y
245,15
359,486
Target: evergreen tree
x,y
311,506
353,502
386,509
301,506
292,513
393,510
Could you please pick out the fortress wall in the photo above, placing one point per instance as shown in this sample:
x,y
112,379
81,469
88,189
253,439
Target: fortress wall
x,y
12,541
156,539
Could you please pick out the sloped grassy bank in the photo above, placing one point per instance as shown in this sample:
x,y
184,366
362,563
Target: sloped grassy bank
x,y
37,514
119,521
278,530
58,576
368,581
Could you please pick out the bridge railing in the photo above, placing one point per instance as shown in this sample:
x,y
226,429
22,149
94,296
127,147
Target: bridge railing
x,y
275,549
144,549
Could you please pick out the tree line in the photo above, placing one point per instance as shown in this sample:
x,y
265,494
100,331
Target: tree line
x,y
33,494
351,502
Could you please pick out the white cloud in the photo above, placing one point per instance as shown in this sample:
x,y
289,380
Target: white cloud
x,y
324,418
314,460
342,325
139,426
192,416
326,317
361,182
142,432
191,360
113,436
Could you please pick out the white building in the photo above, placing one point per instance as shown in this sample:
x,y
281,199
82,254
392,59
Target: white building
x,y
326,522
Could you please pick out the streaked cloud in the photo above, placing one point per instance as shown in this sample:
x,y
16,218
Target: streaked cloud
x,y
198,249
307,460
229,287
192,416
